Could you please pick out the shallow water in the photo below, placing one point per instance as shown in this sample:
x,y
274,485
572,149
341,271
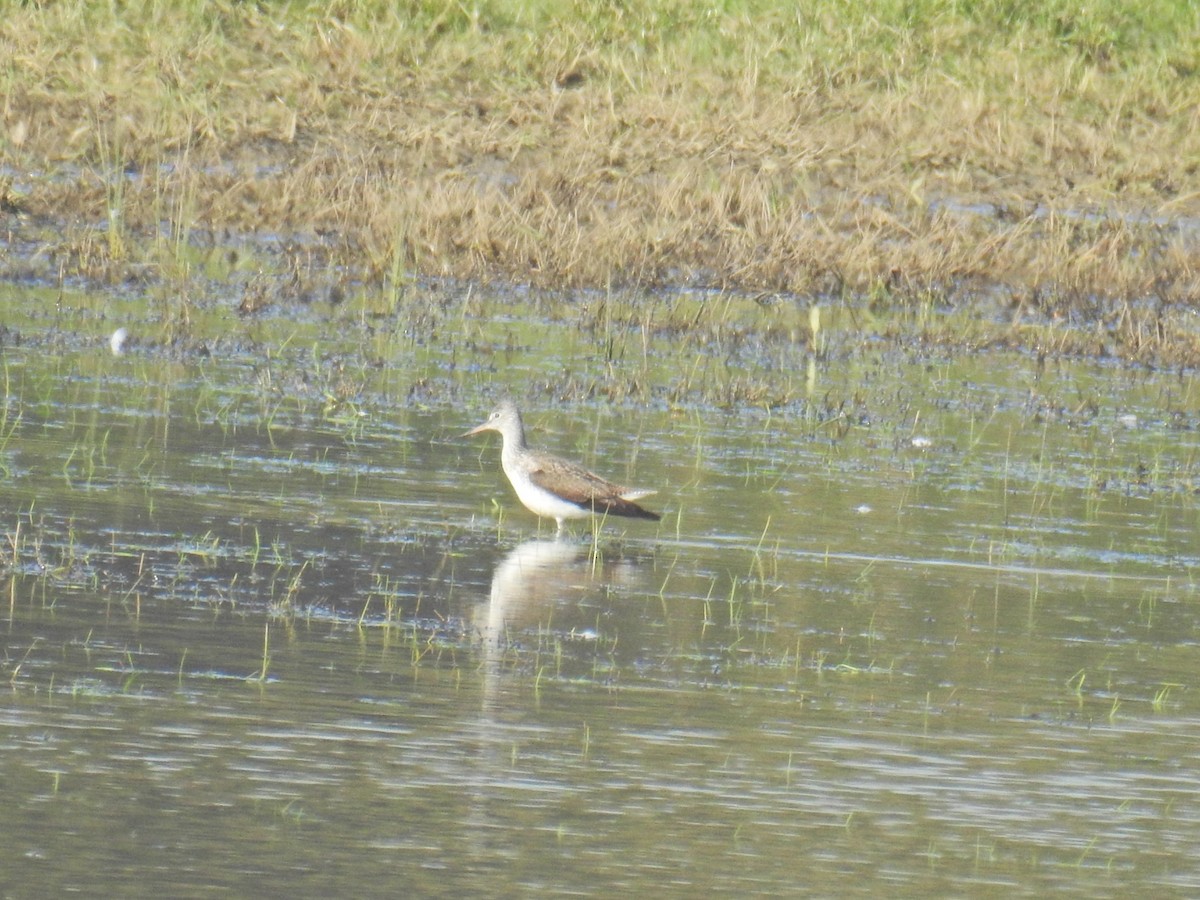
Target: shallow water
x,y
928,626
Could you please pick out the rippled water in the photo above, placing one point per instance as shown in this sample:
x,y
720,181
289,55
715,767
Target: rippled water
x,y
931,630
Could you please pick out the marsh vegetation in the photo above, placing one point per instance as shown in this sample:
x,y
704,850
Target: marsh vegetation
x,y
930,155
893,305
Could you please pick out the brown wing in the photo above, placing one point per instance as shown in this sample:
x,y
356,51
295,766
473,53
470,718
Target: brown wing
x,y
585,489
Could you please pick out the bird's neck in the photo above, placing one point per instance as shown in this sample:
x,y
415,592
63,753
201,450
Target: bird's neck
x,y
514,439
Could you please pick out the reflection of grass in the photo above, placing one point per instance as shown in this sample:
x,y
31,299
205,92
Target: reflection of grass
x,y
1162,695
261,674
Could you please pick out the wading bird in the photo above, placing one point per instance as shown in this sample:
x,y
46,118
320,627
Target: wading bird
x,y
552,487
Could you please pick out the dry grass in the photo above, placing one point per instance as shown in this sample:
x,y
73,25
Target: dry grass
x,y
901,151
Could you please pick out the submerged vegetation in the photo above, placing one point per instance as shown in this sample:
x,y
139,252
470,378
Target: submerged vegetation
x,y
1041,160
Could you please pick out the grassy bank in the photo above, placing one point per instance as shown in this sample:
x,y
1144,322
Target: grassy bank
x,y
922,151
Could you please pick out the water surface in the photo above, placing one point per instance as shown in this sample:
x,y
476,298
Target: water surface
x,y
926,625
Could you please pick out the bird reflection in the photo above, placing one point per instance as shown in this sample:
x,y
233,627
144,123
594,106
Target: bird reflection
x,y
535,583
532,575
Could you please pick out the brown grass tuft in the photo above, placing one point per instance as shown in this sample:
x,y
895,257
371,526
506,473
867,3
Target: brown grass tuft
x,y
752,149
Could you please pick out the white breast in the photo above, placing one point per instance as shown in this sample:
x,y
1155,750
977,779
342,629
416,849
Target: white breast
x,y
541,501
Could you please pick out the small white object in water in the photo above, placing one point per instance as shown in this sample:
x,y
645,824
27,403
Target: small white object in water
x,y
118,341
921,442
862,509
1129,420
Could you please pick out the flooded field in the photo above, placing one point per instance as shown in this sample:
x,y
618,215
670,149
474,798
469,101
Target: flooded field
x,y
909,623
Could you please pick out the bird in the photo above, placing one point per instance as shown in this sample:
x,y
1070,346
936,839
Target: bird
x,y
553,487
